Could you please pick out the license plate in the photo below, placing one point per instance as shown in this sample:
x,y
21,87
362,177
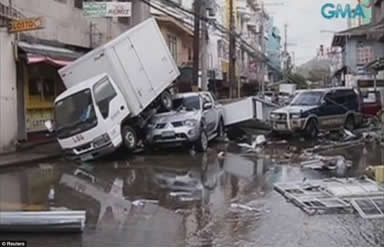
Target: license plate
x,y
87,157
168,134
281,126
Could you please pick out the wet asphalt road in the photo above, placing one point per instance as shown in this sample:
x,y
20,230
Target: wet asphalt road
x,y
195,193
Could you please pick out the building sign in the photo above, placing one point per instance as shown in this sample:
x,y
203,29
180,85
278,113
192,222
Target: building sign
x,y
107,9
25,25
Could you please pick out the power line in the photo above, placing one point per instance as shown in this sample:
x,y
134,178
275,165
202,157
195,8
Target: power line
x,y
251,50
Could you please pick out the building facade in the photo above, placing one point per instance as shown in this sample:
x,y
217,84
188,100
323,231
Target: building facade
x,y
29,81
361,46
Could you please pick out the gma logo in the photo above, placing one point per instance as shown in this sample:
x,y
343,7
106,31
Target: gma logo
x,y
330,11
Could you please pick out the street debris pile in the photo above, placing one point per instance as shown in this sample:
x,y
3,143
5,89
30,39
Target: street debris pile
x,y
49,221
326,162
333,194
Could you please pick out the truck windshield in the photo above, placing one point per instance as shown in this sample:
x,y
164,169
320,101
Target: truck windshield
x,y
74,114
187,103
308,98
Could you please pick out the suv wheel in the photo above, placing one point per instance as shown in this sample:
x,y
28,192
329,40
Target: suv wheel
x,y
129,138
349,123
202,143
221,128
311,129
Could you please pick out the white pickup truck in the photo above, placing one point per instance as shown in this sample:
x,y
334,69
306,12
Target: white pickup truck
x,y
112,92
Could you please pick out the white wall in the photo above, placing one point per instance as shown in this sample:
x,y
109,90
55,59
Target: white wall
x,y
66,23
8,102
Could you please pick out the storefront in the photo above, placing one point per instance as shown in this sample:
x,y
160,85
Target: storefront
x,y
40,83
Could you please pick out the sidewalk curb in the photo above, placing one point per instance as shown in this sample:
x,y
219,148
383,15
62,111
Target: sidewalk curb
x,y
34,159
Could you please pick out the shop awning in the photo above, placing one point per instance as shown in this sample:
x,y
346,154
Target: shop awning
x,y
56,56
33,59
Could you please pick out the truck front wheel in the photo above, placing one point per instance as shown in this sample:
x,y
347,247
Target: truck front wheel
x,y
130,139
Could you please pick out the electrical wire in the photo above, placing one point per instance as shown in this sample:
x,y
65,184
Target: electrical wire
x,y
251,50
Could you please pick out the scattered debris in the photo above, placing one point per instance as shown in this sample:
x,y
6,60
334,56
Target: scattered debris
x,y
279,142
327,162
260,140
243,207
141,202
51,194
369,208
221,155
349,135
318,196
376,173
51,221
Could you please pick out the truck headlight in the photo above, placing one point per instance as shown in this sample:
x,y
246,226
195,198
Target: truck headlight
x,y
274,116
190,123
295,116
101,140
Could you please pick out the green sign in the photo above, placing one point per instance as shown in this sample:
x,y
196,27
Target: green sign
x,y
93,9
107,9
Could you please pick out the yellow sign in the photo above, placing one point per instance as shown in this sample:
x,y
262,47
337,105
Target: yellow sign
x,y
25,25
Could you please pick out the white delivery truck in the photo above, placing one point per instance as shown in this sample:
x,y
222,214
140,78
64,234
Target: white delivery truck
x,y
112,91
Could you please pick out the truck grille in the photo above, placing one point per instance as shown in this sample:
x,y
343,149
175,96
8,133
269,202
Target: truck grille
x,y
177,123
282,117
83,147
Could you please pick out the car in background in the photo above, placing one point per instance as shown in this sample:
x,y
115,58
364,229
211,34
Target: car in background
x,y
195,120
313,110
371,102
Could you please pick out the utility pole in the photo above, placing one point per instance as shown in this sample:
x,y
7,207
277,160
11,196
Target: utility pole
x,y
204,52
232,57
197,11
263,49
140,12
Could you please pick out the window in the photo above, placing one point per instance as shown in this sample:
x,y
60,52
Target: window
x,y
172,45
104,93
78,4
125,20
35,86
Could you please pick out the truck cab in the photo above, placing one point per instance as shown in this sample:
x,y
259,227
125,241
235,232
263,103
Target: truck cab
x,y
88,118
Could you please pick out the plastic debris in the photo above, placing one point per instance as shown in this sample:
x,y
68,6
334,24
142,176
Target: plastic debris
x,y
243,207
320,196
140,203
260,140
51,221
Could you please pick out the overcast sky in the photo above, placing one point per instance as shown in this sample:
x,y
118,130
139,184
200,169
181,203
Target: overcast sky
x,y
305,23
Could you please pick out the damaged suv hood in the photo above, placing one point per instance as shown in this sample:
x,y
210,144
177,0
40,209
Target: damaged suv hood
x,y
295,109
175,116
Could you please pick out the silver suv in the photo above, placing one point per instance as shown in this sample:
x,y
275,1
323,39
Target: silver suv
x,y
195,120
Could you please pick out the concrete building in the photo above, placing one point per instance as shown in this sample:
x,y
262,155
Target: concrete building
x,y
28,66
361,46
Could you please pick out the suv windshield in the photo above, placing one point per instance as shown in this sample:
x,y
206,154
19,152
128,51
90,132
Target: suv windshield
x,y
187,103
308,98
75,114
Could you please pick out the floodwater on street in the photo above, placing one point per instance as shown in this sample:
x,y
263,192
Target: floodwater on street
x,y
181,198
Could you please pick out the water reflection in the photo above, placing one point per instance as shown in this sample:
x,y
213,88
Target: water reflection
x,y
194,195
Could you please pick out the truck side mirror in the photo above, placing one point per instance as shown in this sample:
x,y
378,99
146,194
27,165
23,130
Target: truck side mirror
x,y
207,106
49,125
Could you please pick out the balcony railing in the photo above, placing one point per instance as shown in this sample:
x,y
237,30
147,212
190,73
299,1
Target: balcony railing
x,y
6,14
